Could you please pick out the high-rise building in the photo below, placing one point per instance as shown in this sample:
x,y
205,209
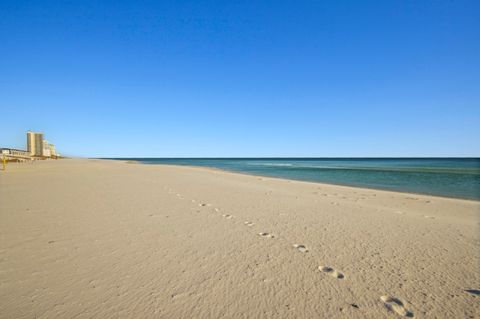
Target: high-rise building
x,y
35,143
53,151
48,149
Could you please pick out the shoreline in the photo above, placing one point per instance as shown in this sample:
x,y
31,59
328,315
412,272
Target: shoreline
x,y
297,180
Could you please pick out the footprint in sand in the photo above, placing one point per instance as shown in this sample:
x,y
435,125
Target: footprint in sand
x,y
203,204
301,248
332,272
266,235
249,224
227,216
396,305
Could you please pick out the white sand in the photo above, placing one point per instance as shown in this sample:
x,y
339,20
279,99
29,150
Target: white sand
x,y
105,239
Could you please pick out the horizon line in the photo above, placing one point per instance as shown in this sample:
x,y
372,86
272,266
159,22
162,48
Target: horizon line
x,y
297,157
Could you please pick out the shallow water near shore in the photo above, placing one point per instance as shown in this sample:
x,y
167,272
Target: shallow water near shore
x,y
449,177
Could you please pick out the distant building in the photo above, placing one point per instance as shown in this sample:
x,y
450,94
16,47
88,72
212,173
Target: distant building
x,y
53,151
14,154
37,148
35,143
48,149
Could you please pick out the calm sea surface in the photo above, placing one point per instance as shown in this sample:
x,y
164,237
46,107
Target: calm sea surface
x,y
451,177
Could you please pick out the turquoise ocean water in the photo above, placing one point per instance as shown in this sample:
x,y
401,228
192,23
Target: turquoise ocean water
x,y
450,177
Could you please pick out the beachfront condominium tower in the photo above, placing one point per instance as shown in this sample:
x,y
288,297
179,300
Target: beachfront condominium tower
x,y
48,149
35,143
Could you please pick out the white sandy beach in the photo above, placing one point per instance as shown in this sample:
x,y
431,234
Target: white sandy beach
x,y
109,239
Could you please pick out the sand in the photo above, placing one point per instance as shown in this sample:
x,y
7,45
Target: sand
x,y
106,239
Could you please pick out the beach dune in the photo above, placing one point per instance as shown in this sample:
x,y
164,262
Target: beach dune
x,y
110,239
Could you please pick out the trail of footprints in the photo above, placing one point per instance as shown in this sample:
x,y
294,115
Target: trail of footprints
x,y
392,304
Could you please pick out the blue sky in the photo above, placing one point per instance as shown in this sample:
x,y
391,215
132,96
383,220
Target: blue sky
x,y
247,78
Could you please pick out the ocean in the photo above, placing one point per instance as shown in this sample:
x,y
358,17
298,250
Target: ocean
x,y
448,177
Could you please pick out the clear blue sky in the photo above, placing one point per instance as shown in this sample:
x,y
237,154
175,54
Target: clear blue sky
x,y
242,78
